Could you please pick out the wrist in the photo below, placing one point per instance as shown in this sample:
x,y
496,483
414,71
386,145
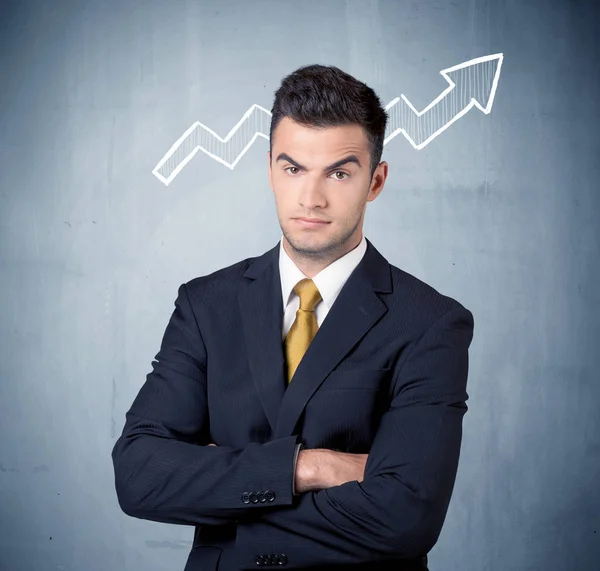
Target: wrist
x,y
313,468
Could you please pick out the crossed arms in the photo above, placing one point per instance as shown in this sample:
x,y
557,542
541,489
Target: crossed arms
x,y
166,471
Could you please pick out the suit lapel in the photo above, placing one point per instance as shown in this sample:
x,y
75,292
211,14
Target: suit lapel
x,y
356,310
261,308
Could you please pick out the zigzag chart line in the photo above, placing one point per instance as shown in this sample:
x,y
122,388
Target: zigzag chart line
x,y
470,84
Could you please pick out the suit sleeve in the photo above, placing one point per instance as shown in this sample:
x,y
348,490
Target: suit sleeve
x,y
164,470
397,511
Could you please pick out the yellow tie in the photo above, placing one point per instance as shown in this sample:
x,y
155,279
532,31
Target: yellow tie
x,y
305,326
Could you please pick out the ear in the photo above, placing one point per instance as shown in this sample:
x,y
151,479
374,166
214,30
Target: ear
x,y
378,180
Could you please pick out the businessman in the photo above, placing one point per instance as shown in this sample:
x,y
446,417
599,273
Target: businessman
x,y
305,407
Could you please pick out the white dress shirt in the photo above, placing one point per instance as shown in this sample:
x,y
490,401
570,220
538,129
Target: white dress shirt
x,y
329,282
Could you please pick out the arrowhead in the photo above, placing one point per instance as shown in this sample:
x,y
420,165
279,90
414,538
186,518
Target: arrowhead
x,y
477,79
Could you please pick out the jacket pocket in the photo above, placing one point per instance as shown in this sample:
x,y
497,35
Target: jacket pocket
x,y
203,558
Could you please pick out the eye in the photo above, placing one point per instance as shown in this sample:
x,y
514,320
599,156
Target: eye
x,y
343,177
288,169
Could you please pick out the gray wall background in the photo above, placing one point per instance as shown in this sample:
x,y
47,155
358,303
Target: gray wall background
x,y
499,211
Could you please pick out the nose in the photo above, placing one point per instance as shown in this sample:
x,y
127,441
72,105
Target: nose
x,y
311,194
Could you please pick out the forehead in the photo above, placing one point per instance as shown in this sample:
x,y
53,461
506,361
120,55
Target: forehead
x,y
319,144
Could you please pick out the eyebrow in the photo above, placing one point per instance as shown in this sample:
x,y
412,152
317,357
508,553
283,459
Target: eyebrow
x,y
337,164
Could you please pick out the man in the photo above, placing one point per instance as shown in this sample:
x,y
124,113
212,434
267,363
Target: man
x,y
305,408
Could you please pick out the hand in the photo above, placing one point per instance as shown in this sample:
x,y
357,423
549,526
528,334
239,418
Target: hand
x,y
212,444
321,468
344,467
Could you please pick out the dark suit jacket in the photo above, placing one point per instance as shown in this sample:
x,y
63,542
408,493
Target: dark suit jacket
x,y
385,375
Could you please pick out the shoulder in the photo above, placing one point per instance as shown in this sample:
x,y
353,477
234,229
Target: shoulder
x,y
422,304
219,283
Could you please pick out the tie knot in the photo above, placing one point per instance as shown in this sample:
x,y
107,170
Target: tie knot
x,y
308,293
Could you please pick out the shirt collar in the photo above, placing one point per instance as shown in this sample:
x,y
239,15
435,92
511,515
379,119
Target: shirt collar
x,y
329,280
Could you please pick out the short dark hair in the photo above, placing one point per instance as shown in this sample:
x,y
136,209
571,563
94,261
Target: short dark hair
x,y
326,96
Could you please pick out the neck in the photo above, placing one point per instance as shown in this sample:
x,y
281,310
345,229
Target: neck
x,y
311,265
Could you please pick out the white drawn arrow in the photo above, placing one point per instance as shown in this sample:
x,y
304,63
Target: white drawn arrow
x,y
471,84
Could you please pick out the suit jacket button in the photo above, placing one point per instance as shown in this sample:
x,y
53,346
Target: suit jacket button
x,y
246,497
270,495
261,497
260,560
253,498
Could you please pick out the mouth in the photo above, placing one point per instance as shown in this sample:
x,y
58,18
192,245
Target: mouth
x,y
311,222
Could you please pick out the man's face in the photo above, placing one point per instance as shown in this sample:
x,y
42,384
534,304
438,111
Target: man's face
x,y
325,174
